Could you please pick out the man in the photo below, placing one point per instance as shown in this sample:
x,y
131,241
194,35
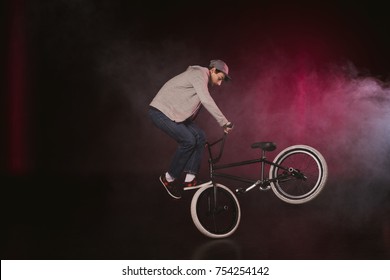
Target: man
x,y
173,110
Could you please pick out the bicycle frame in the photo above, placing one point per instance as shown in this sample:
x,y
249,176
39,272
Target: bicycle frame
x,y
263,182
215,208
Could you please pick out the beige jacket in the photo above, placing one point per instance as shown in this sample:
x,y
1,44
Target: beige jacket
x,y
181,97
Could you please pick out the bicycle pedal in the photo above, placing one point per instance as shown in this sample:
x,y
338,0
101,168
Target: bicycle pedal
x,y
240,191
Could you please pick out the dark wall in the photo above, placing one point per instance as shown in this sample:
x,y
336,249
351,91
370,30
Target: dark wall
x,y
302,73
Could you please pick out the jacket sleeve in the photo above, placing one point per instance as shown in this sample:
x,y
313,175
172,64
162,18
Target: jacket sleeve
x,y
199,81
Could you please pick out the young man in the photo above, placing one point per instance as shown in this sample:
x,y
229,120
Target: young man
x,y
173,110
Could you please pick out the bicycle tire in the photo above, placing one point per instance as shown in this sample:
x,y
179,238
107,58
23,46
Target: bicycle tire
x,y
215,221
298,190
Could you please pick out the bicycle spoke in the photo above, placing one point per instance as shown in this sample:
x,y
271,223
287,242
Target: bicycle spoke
x,y
306,177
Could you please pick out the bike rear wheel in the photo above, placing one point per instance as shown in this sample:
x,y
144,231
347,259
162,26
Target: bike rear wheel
x,y
215,211
305,179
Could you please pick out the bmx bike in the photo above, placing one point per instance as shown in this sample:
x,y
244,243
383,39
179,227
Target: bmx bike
x,y
296,175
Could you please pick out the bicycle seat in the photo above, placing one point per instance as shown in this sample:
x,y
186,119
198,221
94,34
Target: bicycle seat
x,y
266,146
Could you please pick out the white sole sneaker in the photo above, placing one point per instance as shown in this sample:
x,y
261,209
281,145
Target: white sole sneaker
x,y
171,191
209,183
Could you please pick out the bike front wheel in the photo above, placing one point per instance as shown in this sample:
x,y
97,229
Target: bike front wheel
x,y
215,211
299,174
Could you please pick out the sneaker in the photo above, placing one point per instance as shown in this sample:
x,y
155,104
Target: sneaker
x,y
194,184
171,189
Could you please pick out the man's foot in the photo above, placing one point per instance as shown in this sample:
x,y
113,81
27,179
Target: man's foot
x,y
171,189
194,184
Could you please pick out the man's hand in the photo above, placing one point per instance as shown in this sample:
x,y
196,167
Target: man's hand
x,y
227,127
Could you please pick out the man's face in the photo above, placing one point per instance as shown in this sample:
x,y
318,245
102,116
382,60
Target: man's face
x,y
216,78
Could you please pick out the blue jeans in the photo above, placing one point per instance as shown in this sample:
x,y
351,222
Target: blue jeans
x,y
191,141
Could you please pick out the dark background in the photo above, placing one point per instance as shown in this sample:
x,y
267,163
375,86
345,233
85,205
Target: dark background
x,y
77,143
90,68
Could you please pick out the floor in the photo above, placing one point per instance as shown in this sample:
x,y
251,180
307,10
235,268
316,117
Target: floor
x,y
131,217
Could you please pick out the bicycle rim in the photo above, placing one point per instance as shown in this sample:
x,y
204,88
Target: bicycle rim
x,y
215,218
310,163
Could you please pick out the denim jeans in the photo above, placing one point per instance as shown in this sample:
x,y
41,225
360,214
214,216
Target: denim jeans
x,y
191,141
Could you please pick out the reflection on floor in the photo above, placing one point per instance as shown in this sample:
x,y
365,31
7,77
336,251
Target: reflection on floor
x,y
131,217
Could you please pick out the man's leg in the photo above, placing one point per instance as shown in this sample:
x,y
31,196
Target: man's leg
x,y
182,134
193,164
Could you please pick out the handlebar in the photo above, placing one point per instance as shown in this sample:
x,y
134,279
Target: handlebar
x,y
209,145
222,140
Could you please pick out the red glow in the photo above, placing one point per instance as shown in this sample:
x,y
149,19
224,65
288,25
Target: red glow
x,y
16,90
301,96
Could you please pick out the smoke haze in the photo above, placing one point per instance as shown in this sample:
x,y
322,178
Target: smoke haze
x,y
294,82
